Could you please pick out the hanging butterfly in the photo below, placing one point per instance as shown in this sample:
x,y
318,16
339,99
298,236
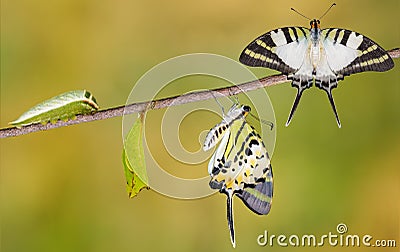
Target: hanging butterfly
x,y
326,56
240,164
64,107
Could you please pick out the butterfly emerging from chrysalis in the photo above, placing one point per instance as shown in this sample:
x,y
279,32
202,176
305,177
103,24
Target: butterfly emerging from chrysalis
x,y
326,56
240,165
61,107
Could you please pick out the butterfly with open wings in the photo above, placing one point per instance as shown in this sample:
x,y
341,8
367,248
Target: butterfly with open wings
x,y
326,56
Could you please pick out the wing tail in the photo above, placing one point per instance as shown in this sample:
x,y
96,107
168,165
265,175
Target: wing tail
x,y
301,85
294,107
327,86
332,102
229,202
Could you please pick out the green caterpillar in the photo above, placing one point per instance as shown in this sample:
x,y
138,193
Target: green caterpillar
x,y
62,107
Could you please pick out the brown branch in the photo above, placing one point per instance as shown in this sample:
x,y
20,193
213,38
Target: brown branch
x,y
394,53
158,104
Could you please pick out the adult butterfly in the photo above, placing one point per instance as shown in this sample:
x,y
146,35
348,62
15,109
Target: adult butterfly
x,y
326,56
64,107
240,164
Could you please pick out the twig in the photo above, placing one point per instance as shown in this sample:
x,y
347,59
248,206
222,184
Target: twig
x,y
158,104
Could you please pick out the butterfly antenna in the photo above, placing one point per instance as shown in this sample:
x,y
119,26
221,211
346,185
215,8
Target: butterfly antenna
x,y
265,122
327,11
230,218
300,13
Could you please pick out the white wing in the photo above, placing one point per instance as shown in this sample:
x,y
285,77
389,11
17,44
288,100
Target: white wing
x,y
282,49
340,55
349,52
218,157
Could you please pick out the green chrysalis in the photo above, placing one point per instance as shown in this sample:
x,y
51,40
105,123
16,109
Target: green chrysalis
x,y
62,107
134,161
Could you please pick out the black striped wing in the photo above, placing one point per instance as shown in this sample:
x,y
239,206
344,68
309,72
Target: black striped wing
x,y
241,166
349,52
282,49
259,197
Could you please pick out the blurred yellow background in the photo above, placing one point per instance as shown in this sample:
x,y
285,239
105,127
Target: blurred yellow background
x,y
64,189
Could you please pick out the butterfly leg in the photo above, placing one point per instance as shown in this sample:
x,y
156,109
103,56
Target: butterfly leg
x,y
301,86
219,104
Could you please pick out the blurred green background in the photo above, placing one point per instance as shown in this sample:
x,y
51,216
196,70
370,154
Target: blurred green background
x,y
64,189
